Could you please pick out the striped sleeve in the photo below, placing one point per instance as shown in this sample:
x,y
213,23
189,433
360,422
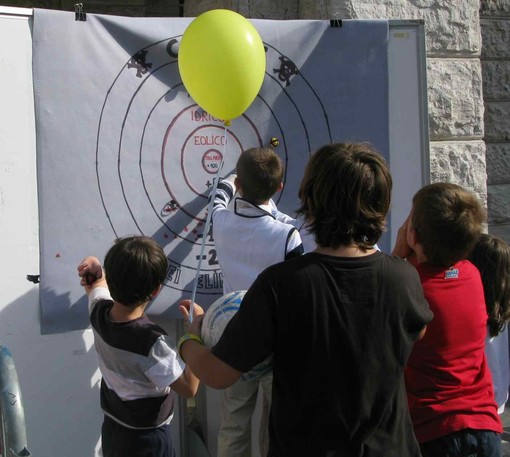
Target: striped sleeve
x,y
294,245
224,193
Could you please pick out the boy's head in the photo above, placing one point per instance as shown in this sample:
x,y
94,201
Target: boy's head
x,y
135,267
447,221
345,195
259,174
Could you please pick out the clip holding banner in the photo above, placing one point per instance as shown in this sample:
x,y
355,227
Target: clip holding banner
x,y
335,23
79,15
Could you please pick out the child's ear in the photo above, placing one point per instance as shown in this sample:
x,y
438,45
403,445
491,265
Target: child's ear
x,y
280,187
416,246
155,292
414,238
237,184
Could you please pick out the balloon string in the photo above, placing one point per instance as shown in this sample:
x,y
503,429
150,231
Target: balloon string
x,y
206,228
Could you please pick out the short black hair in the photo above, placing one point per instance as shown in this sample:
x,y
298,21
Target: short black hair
x,y
135,266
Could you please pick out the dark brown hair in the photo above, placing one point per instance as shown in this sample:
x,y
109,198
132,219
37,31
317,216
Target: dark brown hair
x,y
491,255
260,173
448,221
135,266
345,195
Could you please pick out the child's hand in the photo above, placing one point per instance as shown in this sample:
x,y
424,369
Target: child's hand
x,y
402,248
90,271
198,315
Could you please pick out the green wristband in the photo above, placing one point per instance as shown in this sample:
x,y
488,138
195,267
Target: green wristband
x,y
187,337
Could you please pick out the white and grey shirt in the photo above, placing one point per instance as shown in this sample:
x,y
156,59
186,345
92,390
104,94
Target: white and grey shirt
x,y
137,363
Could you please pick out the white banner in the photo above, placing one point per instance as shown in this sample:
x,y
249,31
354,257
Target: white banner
x,y
122,149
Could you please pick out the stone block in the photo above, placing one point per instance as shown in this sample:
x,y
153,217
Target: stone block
x,y
501,230
133,8
495,8
262,9
495,38
498,163
194,8
499,204
162,8
497,125
452,26
44,4
255,9
461,163
496,80
455,98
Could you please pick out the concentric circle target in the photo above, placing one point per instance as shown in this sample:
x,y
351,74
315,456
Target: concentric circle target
x,y
158,153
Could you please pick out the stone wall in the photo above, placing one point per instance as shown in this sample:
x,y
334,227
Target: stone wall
x,y
495,27
454,73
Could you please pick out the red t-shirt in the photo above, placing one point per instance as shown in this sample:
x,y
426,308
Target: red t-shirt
x,y
448,382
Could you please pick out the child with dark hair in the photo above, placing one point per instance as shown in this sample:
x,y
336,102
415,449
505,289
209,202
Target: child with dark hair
x,y
259,174
253,234
249,238
340,321
449,385
364,203
140,367
491,255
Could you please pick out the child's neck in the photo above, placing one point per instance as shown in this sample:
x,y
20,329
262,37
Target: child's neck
x,y
264,203
122,313
344,251
419,255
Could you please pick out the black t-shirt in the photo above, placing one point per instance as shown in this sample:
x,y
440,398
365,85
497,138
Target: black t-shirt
x,y
340,331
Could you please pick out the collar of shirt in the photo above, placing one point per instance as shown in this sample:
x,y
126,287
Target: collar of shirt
x,y
245,208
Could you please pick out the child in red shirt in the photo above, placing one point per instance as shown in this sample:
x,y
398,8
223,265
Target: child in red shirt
x,y
448,381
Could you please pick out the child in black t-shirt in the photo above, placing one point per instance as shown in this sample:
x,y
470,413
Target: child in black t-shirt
x,y
340,321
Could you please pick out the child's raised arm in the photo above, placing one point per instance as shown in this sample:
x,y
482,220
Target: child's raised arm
x,y
402,248
91,274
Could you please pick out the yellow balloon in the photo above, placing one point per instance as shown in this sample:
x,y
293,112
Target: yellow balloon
x,y
222,63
